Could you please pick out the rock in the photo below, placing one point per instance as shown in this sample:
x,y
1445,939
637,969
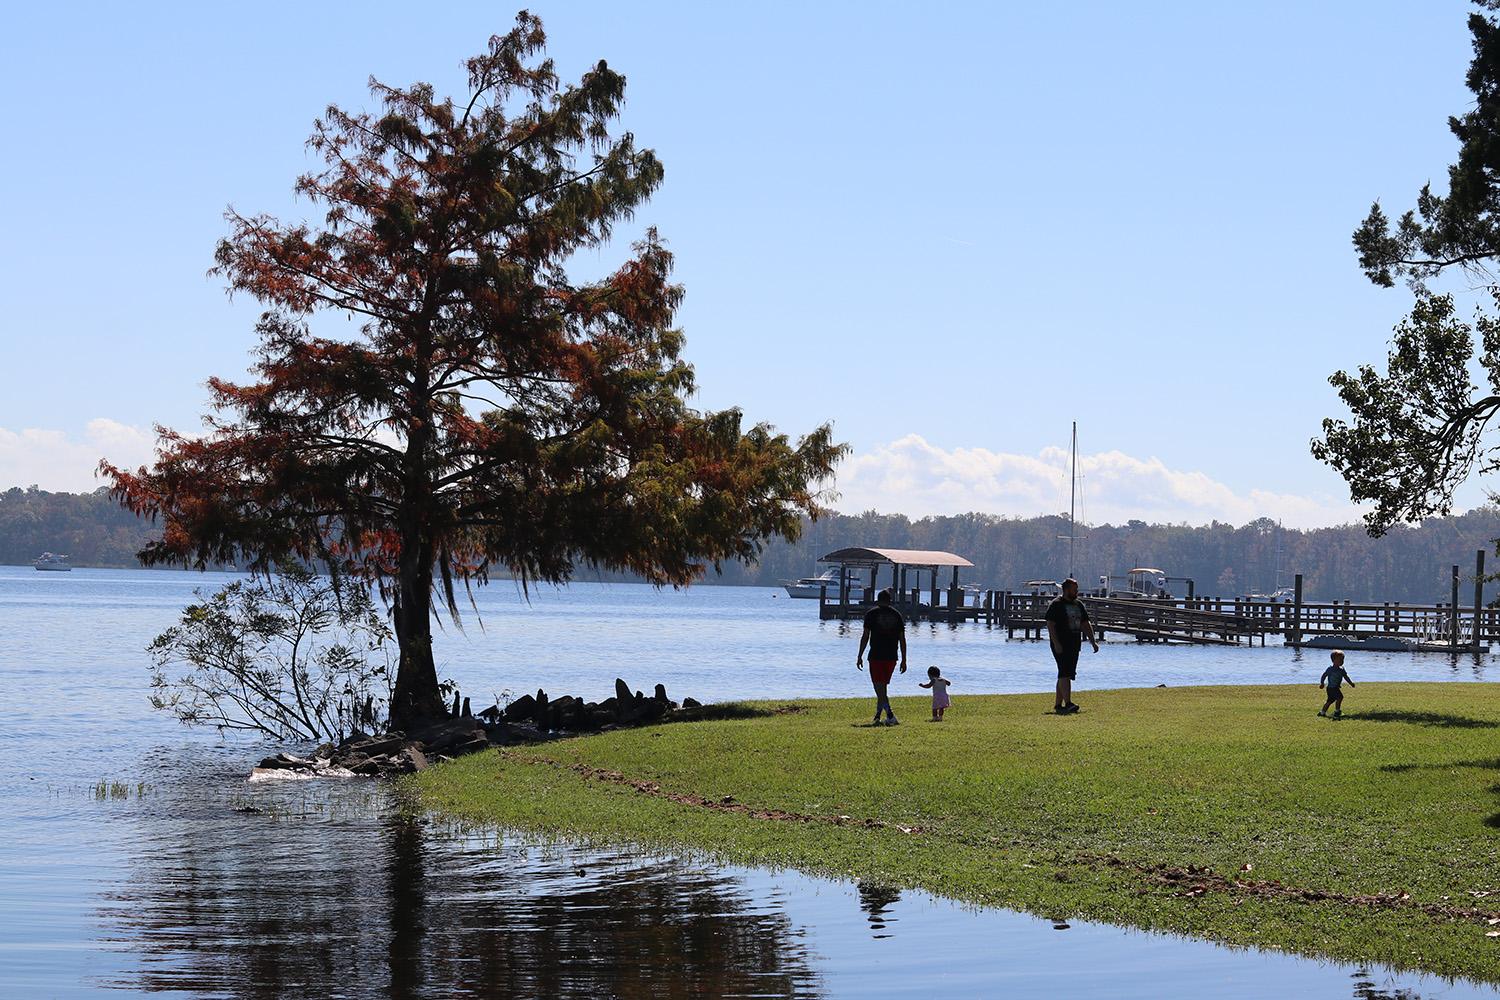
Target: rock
x,y
593,719
355,736
454,713
649,710
562,712
525,732
416,758
541,708
459,732
325,750
472,746
521,709
661,694
490,715
691,703
284,762
378,745
371,766
466,713
622,690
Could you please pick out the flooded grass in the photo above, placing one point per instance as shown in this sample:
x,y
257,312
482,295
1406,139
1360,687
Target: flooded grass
x,y
1232,814
107,789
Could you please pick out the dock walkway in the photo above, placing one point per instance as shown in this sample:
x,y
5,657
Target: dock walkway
x,y
1209,621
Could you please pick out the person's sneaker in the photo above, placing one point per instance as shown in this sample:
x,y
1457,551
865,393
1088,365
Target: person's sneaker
x,y
1338,714
892,721
1323,712
1071,708
1060,709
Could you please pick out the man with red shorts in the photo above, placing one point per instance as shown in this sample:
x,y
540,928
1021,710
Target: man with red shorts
x,y
885,634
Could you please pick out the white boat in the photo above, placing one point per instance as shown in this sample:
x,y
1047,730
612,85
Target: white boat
x,y
809,587
1281,595
52,562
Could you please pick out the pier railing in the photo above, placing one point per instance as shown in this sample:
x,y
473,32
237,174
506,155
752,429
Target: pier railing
x,y
1201,620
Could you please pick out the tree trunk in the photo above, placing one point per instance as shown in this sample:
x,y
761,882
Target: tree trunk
x,y
416,699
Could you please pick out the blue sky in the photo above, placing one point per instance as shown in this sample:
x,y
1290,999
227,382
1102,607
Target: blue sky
x,y
948,228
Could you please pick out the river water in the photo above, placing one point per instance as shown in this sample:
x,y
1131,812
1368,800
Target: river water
x,y
135,857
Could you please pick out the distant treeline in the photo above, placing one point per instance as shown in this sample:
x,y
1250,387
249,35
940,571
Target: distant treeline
x,y
1409,564
89,527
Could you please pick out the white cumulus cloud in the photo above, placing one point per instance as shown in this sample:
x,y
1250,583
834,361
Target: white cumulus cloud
x,y
913,477
55,460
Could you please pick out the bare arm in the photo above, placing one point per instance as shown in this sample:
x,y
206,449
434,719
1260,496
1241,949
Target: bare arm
x,y
864,640
925,684
903,650
1088,631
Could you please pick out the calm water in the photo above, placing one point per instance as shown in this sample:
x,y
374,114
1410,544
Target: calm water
x,y
186,880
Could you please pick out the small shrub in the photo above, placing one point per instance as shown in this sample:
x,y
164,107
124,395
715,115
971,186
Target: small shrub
x,y
292,655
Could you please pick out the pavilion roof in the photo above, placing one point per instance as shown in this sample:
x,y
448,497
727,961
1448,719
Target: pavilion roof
x,y
858,556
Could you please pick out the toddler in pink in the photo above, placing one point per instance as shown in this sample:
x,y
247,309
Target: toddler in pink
x,y
939,685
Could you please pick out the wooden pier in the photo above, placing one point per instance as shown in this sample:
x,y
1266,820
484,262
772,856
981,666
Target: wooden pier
x,y
1211,621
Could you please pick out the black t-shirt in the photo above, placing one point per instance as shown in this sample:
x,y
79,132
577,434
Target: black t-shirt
x,y
1069,617
885,626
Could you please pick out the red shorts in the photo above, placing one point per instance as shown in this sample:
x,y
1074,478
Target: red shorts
x,y
881,671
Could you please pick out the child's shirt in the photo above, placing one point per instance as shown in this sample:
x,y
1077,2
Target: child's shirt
x,y
939,686
1334,676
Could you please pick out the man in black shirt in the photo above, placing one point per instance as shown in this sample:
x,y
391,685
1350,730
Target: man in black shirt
x,y
885,634
1067,625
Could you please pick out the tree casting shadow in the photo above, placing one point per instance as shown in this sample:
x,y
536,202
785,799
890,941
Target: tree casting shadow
x,y
1490,764
1423,719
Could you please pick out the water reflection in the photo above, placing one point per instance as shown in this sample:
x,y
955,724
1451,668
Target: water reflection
x,y
1365,988
876,901
263,906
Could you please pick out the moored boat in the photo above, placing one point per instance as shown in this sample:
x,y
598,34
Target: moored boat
x,y
809,587
52,562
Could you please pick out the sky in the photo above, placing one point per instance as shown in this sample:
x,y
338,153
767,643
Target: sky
x,y
949,229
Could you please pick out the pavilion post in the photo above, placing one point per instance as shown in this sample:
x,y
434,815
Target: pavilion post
x,y
1296,629
1478,598
1453,612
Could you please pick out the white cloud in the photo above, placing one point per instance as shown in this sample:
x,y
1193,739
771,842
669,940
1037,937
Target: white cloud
x,y
908,476
55,460
913,477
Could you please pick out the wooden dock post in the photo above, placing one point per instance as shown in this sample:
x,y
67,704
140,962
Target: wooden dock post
x,y
1478,597
1295,632
1453,611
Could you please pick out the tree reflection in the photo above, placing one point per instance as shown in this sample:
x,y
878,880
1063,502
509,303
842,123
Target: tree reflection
x,y
876,901
252,907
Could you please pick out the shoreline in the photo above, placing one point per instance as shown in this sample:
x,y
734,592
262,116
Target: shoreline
x,y
1228,813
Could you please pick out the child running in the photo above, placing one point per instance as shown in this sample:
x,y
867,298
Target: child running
x,y
939,685
1334,677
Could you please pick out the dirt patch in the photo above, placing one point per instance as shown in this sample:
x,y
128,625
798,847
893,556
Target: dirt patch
x,y
1193,881
726,803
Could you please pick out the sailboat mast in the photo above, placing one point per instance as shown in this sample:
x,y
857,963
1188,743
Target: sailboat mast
x,y
1073,503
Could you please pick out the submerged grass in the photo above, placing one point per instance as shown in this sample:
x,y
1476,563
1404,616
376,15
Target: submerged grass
x,y
1228,813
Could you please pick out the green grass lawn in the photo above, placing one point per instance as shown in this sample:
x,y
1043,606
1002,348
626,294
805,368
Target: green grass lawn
x,y
1362,839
